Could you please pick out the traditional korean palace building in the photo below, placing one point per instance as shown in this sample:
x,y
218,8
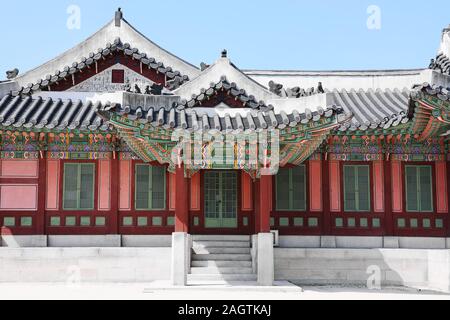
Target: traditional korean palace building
x,y
119,137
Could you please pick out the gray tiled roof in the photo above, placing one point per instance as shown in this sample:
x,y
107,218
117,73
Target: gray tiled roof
x,y
434,90
65,115
370,110
192,120
248,101
441,63
373,109
175,78
50,114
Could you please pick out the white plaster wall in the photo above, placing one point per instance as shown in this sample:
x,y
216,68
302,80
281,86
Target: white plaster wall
x,y
85,265
347,80
102,82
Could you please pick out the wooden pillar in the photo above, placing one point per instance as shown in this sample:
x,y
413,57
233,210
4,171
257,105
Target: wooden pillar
x,y
388,216
397,185
335,185
114,214
263,196
327,223
441,187
42,188
448,194
182,202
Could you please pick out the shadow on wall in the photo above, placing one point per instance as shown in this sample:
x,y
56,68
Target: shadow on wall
x,y
371,268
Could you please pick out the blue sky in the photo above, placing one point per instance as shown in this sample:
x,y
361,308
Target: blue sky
x,y
259,34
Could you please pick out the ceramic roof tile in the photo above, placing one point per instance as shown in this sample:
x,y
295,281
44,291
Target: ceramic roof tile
x,y
193,120
55,115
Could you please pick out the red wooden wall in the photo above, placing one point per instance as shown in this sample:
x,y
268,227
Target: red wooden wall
x,y
31,202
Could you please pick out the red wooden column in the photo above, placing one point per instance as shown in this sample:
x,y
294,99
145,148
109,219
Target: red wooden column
x,y
441,187
397,185
389,218
42,189
448,194
115,184
263,197
327,222
182,201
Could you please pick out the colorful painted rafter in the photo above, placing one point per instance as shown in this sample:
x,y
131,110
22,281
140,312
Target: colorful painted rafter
x,y
153,141
432,114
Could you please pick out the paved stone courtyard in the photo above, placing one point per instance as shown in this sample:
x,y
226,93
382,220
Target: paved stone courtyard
x,y
155,291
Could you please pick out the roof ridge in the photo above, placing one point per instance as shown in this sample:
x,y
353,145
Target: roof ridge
x,y
224,67
223,83
93,57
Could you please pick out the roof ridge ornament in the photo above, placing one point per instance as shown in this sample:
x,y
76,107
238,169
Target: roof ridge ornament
x,y
11,74
446,29
224,53
118,17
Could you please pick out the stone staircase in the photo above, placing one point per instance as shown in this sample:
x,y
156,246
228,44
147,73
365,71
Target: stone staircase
x,y
221,258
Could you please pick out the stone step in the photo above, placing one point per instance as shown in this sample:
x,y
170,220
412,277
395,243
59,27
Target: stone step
x,y
220,238
243,264
199,250
223,277
221,244
221,270
221,257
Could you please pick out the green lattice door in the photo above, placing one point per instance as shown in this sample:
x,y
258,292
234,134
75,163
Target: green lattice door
x,y
220,199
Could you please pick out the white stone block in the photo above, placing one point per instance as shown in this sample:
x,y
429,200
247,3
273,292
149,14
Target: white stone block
x,y
359,242
391,242
299,242
84,241
422,243
439,270
179,258
407,267
11,241
265,259
325,253
254,253
159,241
328,242
91,264
289,253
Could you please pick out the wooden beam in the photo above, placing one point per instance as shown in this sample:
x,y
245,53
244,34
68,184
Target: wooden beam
x,y
42,190
115,194
263,190
327,222
388,216
448,193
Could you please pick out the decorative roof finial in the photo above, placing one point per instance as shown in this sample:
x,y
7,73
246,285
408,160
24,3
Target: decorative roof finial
x,y
12,74
118,17
224,53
